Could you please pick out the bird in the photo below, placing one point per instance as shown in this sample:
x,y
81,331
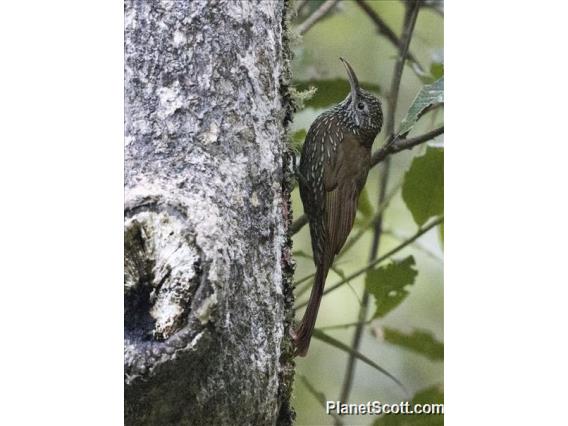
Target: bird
x,y
333,169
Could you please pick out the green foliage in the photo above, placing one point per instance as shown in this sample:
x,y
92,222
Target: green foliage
x,y
437,70
420,341
348,32
329,92
423,188
430,95
431,395
387,284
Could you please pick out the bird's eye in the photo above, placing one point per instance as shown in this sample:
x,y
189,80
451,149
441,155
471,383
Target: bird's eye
x,y
360,106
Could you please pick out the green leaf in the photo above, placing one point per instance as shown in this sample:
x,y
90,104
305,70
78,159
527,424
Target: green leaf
x,y
437,65
320,335
431,395
423,188
437,70
329,92
429,95
419,341
387,284
364,205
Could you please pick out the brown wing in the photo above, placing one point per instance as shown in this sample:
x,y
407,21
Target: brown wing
x,y
344,179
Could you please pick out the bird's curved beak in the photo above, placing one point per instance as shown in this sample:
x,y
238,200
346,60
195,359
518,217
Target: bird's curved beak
x,y
353,81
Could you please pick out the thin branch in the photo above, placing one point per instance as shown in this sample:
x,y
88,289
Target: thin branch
x,y
350,324
384,257
304,279
411,13
318,14
397,144
416,244
298,224
412,9
387,32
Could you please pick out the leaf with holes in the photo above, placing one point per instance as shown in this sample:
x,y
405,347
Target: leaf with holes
x,y
329,92
430,95
387,284
423,187
419,341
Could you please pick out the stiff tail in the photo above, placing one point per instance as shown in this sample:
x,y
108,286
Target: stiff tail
x,y
303,334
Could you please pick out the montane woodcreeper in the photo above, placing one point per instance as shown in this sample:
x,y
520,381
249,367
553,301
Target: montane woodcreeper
x,y
333,169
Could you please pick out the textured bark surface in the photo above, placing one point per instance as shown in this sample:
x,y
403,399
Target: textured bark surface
x,y
207,252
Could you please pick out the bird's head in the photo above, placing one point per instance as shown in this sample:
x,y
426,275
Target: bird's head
x,y
362,108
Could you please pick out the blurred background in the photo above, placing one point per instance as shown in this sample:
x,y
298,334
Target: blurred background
x,y
349,31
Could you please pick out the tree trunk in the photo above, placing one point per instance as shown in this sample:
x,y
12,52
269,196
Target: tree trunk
x,y
207,287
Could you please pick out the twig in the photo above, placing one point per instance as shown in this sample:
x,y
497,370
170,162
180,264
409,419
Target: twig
x,y
397,145
298,224
318,14
419,246
411,14
382,258
386,31
412,9
350,324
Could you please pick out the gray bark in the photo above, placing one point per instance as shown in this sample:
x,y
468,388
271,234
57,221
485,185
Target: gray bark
x,y
208,267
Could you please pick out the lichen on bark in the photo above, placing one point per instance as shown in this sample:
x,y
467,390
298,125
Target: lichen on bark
x,y
208,264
